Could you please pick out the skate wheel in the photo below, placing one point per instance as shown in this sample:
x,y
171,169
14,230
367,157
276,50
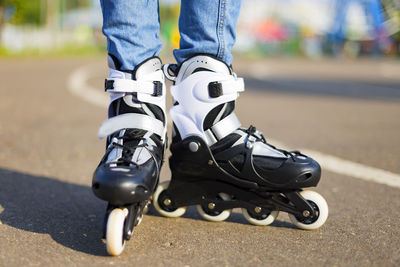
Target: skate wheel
x,y
209,215
115,241
321,207
161,208
262,219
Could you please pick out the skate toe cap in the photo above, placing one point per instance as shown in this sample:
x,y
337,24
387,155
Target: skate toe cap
x,y
121,185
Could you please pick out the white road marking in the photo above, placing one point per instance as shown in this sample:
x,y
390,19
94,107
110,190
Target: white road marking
x,y
349,168
77,85
354,169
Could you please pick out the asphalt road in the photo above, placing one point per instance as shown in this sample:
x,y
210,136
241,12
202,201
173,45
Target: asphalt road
x,y
49,149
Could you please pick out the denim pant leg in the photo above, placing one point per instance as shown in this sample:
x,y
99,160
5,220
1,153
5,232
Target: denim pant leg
x,y
132,29
207,27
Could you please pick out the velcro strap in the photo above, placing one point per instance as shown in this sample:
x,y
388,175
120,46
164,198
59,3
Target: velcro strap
x,y
222,128
115,85
129,121
219,88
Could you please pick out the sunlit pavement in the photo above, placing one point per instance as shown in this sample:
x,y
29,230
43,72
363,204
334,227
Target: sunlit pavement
x,y
49,149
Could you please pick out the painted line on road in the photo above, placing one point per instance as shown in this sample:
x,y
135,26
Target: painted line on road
x,y
349,168
77,85
353,169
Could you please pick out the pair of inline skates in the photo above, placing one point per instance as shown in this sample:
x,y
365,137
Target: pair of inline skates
x,y
216,164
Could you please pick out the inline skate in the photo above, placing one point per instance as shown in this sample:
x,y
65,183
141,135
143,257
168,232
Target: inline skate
x,y
217,165
128,174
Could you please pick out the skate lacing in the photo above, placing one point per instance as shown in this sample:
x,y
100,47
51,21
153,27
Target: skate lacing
x,y
259,137
127,151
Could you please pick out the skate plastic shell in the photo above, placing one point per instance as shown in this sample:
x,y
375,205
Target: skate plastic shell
x,y
195,102
128,198
143,94
209,62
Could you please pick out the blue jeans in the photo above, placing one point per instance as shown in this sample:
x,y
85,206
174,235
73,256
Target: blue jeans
x,y
132,29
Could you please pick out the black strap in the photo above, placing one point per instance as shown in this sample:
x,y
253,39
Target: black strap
x,y
108,84
157,88
215,89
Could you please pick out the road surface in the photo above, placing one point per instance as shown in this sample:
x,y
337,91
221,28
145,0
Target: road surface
x,y
348,111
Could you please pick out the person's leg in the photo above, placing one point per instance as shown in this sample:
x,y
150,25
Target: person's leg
x,y
214,158
129,171
132,29
207,27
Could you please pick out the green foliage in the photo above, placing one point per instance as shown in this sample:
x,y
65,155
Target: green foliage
x,y
73,4
35,11
26,11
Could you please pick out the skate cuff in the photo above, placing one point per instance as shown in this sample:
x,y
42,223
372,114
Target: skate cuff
x,y
115,85
222,128
129,121
219,88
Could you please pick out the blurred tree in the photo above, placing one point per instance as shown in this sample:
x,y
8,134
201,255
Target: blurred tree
x,y
3,7
26,11
73,4
31,11
392,12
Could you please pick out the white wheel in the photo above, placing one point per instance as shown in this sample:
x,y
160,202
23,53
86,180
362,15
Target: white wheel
x,y
214,217
264,219
321,207
115,241
161,207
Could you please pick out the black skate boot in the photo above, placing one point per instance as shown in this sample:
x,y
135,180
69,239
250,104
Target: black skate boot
x,y
218,165
136,138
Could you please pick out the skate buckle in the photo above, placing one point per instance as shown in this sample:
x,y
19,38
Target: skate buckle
x,y
249,144
108,84
157,88
215,89
250,141
144,142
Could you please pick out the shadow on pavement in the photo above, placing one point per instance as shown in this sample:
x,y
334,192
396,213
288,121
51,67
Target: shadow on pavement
x,y
336,88
68,212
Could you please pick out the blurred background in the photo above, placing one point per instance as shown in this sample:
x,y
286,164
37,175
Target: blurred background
x,y
309,28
